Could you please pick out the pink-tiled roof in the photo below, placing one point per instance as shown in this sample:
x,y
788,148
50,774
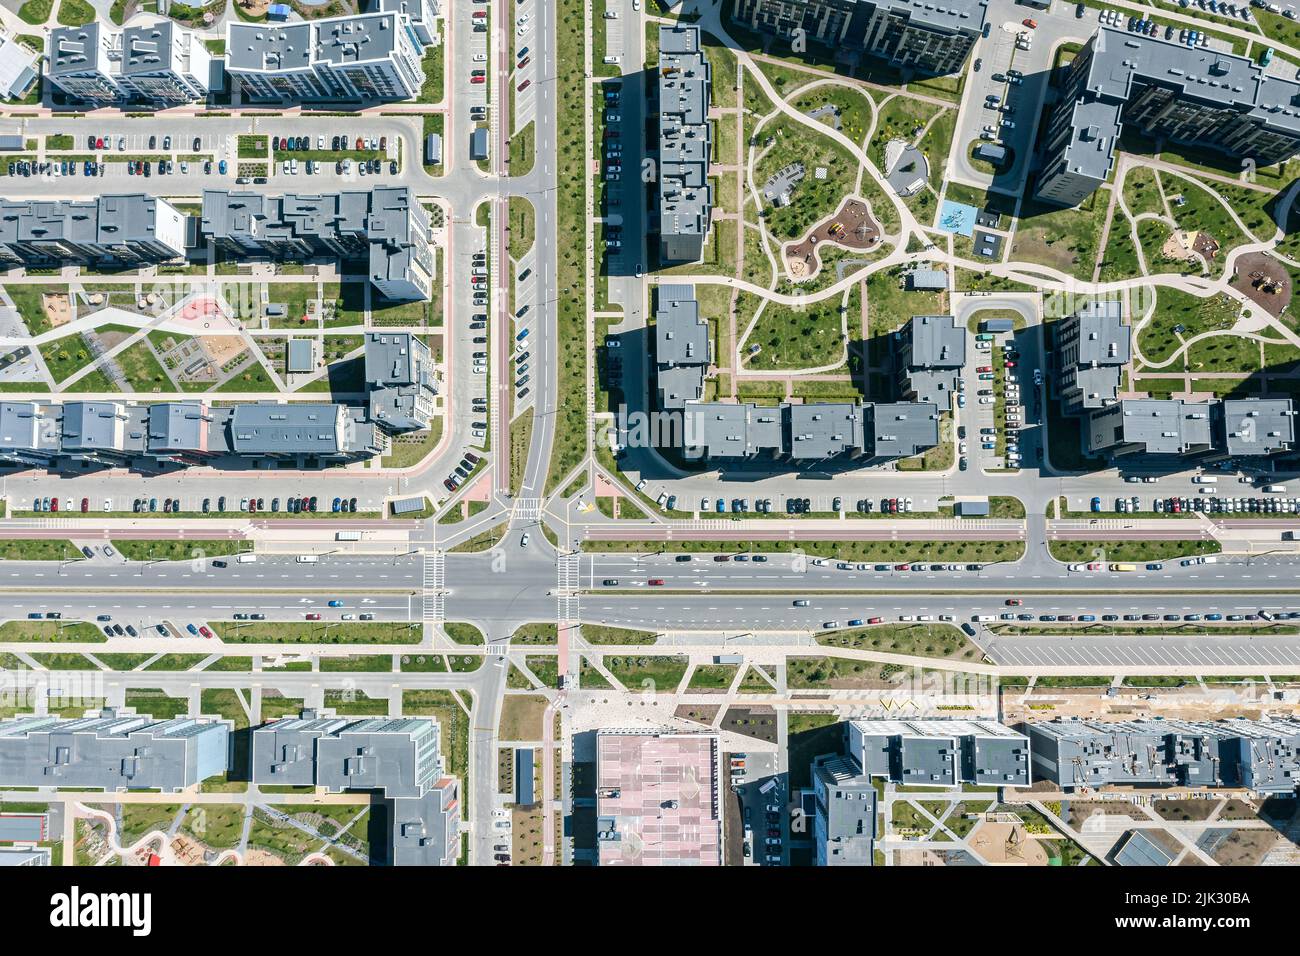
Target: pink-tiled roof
x,y
661,792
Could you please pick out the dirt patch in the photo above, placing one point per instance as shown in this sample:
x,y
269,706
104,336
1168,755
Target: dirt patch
x,y
1263,280
1183,810
1081,810
221,348
254,857
1006,843
112,338
699,713
1245,847
852,228
58,308
521,717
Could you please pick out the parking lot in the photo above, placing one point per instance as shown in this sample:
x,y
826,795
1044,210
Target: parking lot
x,y
762,801
1101,652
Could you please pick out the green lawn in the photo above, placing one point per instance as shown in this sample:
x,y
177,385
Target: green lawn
x,y
170,550
323,632
812,199
793,338
659,675
36,11
75,13
142,369
38,549
1158,340
916,640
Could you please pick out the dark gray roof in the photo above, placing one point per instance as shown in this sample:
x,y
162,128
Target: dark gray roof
x,y
178,427
356,39
1165,426
940,752
1104,339
274,48
685,140
824,429
111,751
845,828
1255,426
115,220
724,430
681,336
148,49
901,429
74,49
927,279
292,428
937,341
94,426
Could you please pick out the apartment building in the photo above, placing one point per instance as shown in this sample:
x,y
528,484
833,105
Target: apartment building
x,y
1175,427
940,753
685,144
1091,349
844,821
1258,755
398,757
162,64
933,37
401,379
112,751
683,348
401,384
386,226
1122,82
929,353
119,230
366,57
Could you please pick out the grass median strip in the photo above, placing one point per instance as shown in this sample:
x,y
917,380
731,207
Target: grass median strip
x,y
888,551
1127,551
38,549
52,632
163,550
917,640
322,632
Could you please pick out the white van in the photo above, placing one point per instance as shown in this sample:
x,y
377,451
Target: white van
x,y
1204,479
1275,489
983,617
611,60
307,559
245,558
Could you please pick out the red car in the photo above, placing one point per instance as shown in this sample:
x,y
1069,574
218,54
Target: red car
x,y
1014,602
478,79
99,143
1032,24
1009,363
361,143
985,368
902,567
85,505
313,617
1095,566
523,86
54,504
874,620
205,632
524,62
479,15
656,582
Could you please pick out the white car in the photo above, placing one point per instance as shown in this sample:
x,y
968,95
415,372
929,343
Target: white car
x,y
523,540
480,57
523,29
523,18
108,504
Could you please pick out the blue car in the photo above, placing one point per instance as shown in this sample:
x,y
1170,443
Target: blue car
x,y
722,505
221,167
335,506
1096,504
192,629
336,603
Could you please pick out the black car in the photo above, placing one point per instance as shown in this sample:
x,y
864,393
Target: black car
x,y
198,143
207,505
352,504
153,142
221,503
610,582
90,142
